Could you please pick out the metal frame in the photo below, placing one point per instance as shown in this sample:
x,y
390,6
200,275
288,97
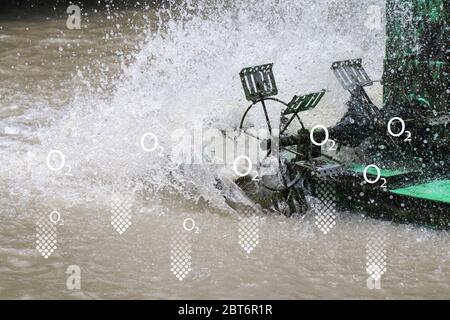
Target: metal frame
x,y
259,86
351,74
258,82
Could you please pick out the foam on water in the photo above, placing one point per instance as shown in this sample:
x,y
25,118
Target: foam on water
x,y
185,72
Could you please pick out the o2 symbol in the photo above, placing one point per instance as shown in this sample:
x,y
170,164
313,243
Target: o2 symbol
x,y
55,218
377,177
61,160
189,225
155,146
249,168
402,130
324,141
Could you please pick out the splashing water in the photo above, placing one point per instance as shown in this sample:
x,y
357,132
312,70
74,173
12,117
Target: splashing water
x,y
185,72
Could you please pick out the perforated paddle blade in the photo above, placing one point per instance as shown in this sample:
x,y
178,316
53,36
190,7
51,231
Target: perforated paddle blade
x,y
351,74
258,82
305,102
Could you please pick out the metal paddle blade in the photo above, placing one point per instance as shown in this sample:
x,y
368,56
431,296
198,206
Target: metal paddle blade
x,y
258,82
305,102
351,74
